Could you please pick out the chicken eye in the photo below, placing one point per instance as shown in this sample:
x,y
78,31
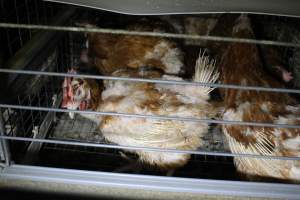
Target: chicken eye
x,y
75,87
78,92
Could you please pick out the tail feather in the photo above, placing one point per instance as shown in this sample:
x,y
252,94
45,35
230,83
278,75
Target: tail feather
x,y
205,71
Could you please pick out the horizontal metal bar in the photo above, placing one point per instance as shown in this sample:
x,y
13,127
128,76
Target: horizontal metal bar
x,y
86,179
144,33
112,146
98,77
180,7
157,117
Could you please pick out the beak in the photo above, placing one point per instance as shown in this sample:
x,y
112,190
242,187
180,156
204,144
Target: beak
x,y
73,106
71,115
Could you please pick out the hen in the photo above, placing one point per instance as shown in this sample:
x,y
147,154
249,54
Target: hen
x,y
109,52
241,65
148,99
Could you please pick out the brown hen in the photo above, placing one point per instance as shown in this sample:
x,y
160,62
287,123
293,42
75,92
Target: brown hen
x,y
149,99
241,65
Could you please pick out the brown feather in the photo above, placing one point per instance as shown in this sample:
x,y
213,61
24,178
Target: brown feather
x,y
111,52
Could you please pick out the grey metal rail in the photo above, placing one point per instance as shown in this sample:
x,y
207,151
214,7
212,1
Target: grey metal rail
x,y
162,7
157,183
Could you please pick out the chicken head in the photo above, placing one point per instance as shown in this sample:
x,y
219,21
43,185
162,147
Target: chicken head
x,y
76,94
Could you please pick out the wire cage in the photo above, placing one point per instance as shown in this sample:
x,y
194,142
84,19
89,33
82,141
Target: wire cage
x,y
36,132
23,12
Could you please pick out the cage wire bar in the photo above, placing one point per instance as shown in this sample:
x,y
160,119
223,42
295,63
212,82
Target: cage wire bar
x,y
145,33
162,117
97,77
198,152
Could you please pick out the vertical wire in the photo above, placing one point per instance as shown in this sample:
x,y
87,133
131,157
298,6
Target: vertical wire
x,y
9,43
22,117
37,12
18,21
28,17
45,13
4,142
31,115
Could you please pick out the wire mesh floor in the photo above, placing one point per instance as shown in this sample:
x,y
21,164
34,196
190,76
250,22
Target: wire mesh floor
x,y
77,129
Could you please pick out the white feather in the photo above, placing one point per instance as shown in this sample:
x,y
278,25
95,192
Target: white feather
x,y
205,72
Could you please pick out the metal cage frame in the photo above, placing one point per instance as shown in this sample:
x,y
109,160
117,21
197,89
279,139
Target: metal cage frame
x,y
35,140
